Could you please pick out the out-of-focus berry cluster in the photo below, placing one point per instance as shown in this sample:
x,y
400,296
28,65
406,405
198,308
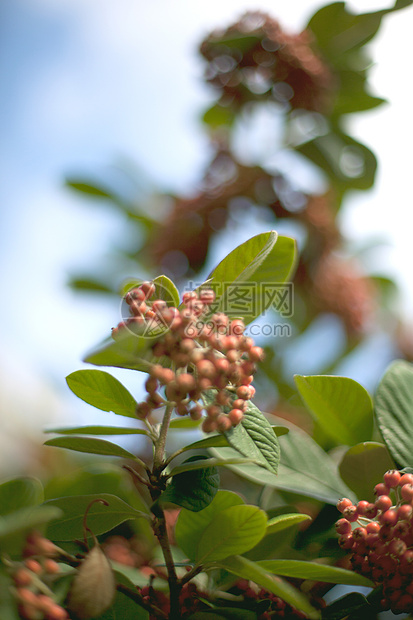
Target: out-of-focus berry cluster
x,y
267,604
33,578
379,537
205,351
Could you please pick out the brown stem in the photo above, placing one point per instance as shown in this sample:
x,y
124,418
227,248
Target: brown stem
x,y
190,575
161,533
160,444
135,596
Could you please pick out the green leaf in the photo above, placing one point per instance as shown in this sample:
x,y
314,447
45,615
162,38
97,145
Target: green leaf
x,y
394,411
89,284
193,490
20,493
98,430
224,462
218,116
186,423
341,406
100,518
211,441
304,469
254,438
101,390
298,569
246,569
284,521
346,606
90,445
233,531
255,267
362,468
190,525
348,163
90,189
129,350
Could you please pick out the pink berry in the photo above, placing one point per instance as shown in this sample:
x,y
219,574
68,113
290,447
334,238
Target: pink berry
x,y
362,506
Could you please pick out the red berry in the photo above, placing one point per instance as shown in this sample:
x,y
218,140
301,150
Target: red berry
x,y
373,527
391,478
381,489
406,479
346,541
359,534
362,507
407,492
404,512
344,503
383,502
343,526
389,517
397,547
350,513
22,577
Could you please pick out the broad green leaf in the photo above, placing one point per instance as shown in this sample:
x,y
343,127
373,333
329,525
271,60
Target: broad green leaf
x,y
254,438
190,525
90,445
193,490
284,521
341,406
340,33
211,441
246,569
304,469
224,462
234,530
19,493
97,430
346,606
184,423
100,518
103,477
8,607
348,163
362,468
101,390
129,350
298,569
85,187
394,411
253,269
135,577
89,284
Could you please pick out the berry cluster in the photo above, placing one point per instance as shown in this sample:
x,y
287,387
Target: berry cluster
x,y
381,543
207,350
267,604
189,600
32,578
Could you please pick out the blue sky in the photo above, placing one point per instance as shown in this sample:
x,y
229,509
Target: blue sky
x,y
86,82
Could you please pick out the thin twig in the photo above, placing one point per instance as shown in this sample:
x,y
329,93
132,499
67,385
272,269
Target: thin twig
x,y
161,533
160,444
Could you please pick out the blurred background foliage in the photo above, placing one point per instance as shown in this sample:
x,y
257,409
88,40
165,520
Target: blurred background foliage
x,y
281,157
